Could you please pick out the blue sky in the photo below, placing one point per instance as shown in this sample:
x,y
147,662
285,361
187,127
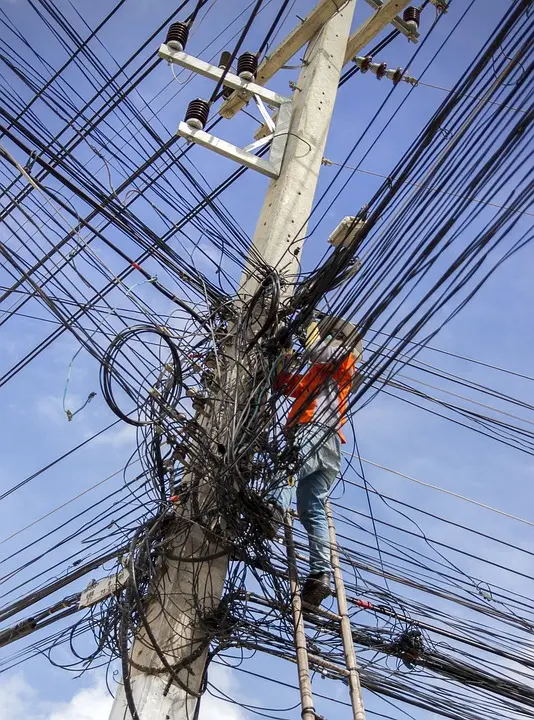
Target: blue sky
x,y
495,327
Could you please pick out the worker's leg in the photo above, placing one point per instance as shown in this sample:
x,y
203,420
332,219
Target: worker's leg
x,y
278,500
280,496
312,491
282,493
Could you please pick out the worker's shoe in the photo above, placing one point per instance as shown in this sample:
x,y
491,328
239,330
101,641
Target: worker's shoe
x,y
316,588
272,520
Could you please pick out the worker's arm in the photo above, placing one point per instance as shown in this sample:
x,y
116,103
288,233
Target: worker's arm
x,y
285,381
288,383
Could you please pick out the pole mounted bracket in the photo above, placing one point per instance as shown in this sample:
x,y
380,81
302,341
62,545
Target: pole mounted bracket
x,y
244,156
441,5
97,591
398,22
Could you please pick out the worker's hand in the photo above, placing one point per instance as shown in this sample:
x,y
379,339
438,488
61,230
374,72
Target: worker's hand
x,y
283,361
285,338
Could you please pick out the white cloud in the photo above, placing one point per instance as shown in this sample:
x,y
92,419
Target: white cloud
x,y
92,703
221,679
19,699
51,408
15,697
124,435
212,707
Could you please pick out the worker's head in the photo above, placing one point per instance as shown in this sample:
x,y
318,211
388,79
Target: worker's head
x,y
338,335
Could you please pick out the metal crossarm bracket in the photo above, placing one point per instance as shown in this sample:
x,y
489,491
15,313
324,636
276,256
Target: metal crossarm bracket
x,y
397,22
101,589
441,5
244,156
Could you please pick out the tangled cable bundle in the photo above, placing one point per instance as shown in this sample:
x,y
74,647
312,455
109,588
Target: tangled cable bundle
x,y
165,393
191,366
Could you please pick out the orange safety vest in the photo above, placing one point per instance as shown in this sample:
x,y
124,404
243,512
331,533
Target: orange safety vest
x,y
304,387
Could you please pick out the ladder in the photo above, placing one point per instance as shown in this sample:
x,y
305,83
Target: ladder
x,y
299,636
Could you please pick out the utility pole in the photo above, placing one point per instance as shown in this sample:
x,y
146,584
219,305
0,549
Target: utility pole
x,y
194,575
288,203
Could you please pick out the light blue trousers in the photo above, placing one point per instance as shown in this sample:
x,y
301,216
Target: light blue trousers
x,y
319,466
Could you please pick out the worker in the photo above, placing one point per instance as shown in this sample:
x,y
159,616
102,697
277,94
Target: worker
x,y
315,423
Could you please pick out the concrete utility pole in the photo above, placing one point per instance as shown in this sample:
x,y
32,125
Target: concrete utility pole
x,y
174,623
283,218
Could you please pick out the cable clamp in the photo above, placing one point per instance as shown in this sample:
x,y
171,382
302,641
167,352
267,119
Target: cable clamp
x,y
30,162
